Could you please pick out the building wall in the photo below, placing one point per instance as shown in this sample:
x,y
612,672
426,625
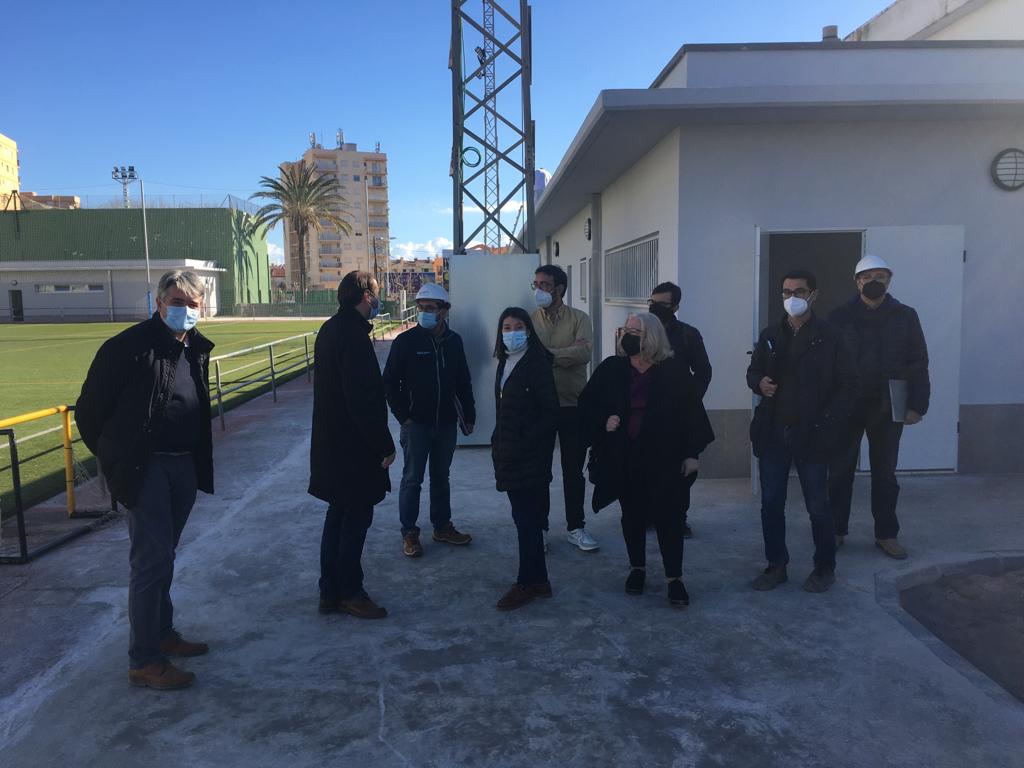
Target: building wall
x,y
995,20
843,176
945,20
217,235
9,173
573,251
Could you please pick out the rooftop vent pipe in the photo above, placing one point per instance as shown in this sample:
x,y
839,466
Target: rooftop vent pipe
x,y
830,34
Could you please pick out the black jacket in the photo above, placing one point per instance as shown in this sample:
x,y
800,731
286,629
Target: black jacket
x,y
675,427
828,383
350,416
526,413
904,354
121,407
688,345
423,376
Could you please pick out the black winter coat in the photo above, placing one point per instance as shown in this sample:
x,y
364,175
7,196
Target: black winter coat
x,y
350,416
526,415
688,345
675,427
121,407
423,376
828,383
904,353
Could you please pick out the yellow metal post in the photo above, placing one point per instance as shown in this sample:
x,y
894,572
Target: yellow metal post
x,y
69,466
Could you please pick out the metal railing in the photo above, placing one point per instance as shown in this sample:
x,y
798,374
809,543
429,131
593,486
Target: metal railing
x,y
268,370
73,512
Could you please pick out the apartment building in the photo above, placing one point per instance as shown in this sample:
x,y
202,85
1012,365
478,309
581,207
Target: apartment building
x,y
8,168
330,254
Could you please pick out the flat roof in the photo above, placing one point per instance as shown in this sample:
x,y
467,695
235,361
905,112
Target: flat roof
x,y
831,45
624,125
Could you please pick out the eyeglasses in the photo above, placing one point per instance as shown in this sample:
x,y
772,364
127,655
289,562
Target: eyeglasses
x,y
800,293
653,303
630,331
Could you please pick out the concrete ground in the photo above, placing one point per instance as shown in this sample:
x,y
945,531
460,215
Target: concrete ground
x,y
592,677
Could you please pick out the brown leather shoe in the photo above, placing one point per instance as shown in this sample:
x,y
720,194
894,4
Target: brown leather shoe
x,y
411,546
516,597
363,608
541,590
161,676
892,548
176,645
448,535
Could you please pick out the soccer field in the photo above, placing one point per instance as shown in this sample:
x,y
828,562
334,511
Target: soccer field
x,y
42,366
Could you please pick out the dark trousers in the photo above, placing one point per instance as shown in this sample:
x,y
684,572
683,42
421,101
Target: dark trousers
x,y
341,550
874,418
685,489
774,464
528,514
422,443
573,456
642,507
155,524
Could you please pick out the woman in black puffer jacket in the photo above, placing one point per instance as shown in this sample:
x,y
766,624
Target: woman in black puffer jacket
x,y
527,411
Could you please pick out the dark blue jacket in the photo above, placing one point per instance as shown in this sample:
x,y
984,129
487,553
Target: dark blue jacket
x,y
423,376
828,381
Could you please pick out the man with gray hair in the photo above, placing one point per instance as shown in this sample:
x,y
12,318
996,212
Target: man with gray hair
x,y
144,411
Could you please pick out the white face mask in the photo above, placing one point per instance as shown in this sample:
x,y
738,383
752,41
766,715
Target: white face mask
x,y
543,298
795,306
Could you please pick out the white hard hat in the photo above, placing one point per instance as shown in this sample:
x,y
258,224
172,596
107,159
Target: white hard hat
x,y
871,262
432,292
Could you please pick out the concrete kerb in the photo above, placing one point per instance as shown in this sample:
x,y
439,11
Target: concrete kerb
x,y
889,584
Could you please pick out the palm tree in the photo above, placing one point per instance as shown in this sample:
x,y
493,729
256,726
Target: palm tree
x,y
303,200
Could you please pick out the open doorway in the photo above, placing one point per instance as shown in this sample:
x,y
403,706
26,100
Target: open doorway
x,y
831,256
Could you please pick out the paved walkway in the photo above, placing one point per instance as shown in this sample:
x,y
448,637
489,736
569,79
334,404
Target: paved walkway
x,y
590,678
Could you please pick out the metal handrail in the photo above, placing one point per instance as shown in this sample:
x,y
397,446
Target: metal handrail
x,y
275,370
69,464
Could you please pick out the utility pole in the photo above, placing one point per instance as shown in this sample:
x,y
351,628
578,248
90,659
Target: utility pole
x,y
125,176
479,161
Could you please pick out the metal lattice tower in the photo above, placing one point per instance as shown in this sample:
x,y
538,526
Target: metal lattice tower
x,y
484,173
492,235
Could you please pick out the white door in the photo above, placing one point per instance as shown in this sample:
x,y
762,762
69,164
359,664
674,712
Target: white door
x,y
927,266
480,287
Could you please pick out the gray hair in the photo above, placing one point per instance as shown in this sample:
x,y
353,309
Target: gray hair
x,y
185,280
654,344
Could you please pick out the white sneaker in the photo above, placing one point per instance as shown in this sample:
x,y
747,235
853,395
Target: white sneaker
x,y
580,538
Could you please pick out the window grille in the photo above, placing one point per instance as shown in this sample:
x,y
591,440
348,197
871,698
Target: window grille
x,y
631,271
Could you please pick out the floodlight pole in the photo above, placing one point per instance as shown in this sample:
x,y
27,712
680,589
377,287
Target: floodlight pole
x,y
145,245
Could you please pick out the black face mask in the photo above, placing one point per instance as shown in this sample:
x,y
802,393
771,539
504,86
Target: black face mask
x,y
631,345
873,290
662,312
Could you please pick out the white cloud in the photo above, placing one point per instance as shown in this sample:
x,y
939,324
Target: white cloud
x,y
276,253
413,250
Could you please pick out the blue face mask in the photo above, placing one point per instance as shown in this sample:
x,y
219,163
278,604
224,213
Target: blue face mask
x,y
181,319
428,320
374,307
514,340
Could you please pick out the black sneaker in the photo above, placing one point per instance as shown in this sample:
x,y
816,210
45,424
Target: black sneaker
x,y
771,578
635,581
820,579
677,595
687,531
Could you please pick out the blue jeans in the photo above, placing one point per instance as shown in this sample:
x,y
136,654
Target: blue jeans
x,y
420,443
774,464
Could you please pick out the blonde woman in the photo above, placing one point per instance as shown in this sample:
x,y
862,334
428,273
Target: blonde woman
x,y
646,425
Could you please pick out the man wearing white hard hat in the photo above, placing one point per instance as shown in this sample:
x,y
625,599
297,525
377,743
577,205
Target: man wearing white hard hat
x,y
892,358
430,392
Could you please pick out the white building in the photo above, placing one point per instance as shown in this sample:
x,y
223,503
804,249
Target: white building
x,y
742,161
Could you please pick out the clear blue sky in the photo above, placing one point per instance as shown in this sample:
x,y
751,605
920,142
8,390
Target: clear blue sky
x,y
208,96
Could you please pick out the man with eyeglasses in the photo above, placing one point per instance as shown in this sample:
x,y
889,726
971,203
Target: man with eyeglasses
x,y
805,375
568,335
889,346
688,346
